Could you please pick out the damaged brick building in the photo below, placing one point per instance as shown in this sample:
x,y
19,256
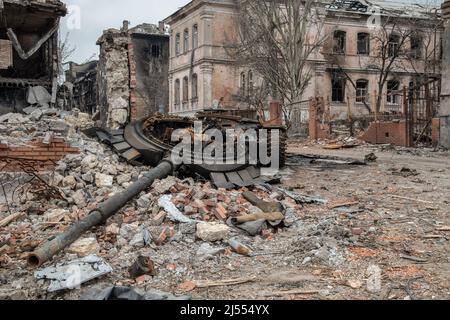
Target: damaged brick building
x,y
81,87
28,49
139,57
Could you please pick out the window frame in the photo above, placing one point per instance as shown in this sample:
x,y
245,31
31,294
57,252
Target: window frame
x,y
185,40
177,93
195,36
339,46
194,86
393,46
243,85
362,93
367,43
416,51
392,98
343,81
177,43
250,83
185,95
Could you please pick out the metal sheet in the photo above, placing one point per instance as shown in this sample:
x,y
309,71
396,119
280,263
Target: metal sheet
x,y
254,172
131,155
236,179
70,275
121,147
246,177
220,181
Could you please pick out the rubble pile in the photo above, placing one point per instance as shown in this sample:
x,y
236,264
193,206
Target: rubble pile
x,y
184,237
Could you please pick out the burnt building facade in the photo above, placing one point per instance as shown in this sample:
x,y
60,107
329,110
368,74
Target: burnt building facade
x,y
132,74
28,49
81,81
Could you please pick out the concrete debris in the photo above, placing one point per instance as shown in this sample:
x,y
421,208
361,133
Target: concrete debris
x,y
39,96
212,231
70,275
172,211
84,247
103,180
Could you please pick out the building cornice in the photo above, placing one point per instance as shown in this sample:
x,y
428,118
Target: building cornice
x,y
193,6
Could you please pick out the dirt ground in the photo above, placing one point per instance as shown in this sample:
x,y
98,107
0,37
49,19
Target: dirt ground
x,y
391,240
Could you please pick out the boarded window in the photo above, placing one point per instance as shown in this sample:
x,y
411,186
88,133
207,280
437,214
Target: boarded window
x,y
363,43
5,54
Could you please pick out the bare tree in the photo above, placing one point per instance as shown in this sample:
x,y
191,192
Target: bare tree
x,y
276,39
65,51
393,51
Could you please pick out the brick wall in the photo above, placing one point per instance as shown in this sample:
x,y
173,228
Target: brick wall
x,y
54,151
395,133
436,131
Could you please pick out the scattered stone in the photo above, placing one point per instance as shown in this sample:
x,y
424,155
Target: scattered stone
x,y
103,180
55,215
84,247
69,182
212,231
123,178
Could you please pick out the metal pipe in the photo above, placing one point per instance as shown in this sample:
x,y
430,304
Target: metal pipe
x,y
104,211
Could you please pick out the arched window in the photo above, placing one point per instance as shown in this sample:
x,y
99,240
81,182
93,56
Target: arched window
x,y
195,36
392,91
250,82
177,43
243,84
362,90
177,93
393,45
186,40
363,43
194,86
185,89
339,42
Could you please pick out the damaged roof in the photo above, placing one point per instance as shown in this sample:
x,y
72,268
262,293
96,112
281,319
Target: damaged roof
x,y
397,8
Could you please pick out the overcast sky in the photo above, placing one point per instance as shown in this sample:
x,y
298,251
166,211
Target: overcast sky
x,y
98,15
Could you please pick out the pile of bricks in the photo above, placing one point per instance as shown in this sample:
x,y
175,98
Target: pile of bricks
x,y
53,150
204,202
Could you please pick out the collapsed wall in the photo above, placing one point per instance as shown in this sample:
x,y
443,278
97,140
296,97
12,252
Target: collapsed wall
x,y
113,79
132,74
28,49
